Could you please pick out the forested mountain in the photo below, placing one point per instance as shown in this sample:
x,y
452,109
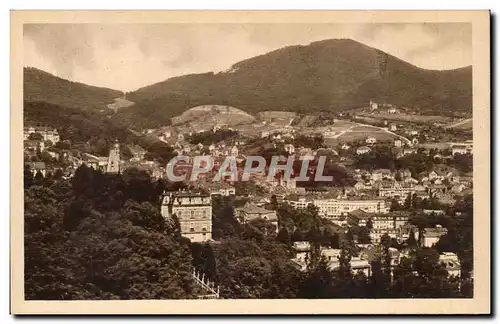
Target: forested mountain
x,y
42,86
329,75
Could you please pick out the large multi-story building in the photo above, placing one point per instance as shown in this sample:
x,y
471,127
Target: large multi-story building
x,y
390,221
398,190
376,234
332,207
194,212
337,207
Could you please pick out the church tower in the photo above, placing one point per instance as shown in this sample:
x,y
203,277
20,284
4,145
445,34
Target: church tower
x,y
114,159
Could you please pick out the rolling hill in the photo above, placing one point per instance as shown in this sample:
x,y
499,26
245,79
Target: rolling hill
x,y
330,75
213,114
40,86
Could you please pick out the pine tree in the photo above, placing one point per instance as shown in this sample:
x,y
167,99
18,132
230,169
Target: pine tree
x,y
344,279
412,241
284,237
28,177
318,282
369,224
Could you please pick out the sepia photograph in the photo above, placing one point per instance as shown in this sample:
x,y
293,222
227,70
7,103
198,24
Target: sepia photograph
x,y
250,162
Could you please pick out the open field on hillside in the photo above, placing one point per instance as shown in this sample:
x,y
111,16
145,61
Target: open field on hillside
x,y
367,129
439,146
408,118
279,118
354,135
362,135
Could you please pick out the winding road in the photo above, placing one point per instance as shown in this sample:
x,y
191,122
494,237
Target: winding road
x,y
459,123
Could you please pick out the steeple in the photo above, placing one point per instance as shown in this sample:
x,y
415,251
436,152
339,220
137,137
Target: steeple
x,y
114,158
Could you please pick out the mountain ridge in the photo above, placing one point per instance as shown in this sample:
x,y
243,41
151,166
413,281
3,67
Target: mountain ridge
x,y
329,75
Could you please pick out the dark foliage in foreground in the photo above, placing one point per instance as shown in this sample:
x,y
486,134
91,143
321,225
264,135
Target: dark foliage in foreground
x,y
101,236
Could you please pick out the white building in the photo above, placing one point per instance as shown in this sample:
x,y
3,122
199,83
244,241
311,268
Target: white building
x,y
337,207
432,235
376,234
289,148
461,148
451,262
363,150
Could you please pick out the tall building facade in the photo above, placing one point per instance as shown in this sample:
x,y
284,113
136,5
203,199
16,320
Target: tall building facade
x,y
194,212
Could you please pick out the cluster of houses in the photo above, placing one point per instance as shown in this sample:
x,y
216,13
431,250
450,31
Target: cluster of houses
x,y
368,254
399,184
45,133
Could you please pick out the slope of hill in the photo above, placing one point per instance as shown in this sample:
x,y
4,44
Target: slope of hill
x,y
44,87
119,103
329,75
73,124
213,114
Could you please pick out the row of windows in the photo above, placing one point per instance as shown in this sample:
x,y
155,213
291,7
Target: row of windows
x,y
204,229
204,211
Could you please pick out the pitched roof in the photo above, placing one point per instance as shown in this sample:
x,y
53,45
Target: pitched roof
x,y
251,208
360,214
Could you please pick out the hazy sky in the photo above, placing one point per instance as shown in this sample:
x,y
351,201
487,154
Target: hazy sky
x,y
128,56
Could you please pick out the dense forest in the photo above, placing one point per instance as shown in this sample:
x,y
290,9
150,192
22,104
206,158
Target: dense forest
x,y
42,86
101,236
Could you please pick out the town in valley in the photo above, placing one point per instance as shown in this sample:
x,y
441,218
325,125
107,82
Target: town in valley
x,y
103,220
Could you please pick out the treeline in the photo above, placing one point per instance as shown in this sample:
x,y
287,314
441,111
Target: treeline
x,y
101,236
39,85
91,132
210,137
